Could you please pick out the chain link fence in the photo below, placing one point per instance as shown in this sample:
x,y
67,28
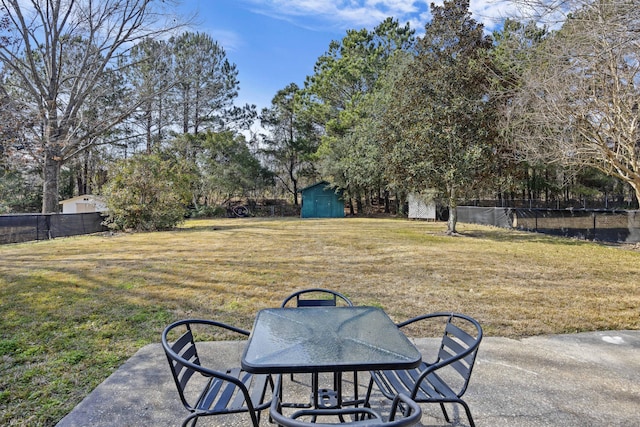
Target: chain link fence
x,y
27,227
589,224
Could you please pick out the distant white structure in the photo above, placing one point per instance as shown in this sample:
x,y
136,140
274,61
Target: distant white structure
x,y
420,207
83,204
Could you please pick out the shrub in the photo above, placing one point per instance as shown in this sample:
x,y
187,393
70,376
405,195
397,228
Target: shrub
x,y
146,193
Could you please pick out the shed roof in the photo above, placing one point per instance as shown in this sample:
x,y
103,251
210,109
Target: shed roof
x,y
84,197
323,183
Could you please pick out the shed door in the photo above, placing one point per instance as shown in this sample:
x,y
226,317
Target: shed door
x,y
323,206
85,207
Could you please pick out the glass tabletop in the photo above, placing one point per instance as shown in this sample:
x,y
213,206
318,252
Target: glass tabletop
x,y
326,339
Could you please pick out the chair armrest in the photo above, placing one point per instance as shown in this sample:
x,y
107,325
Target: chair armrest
x,y
210,323
222,325
414,412
422,317
279,419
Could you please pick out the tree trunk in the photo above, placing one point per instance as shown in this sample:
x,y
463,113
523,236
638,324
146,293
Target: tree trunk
x,y
635,184
387,205
148,125
295,191
453,214
51,172
185,113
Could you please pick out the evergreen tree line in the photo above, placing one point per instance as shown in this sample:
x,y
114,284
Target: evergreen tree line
x,y
454,114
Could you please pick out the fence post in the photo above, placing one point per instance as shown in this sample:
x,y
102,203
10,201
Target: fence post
x,y
47,222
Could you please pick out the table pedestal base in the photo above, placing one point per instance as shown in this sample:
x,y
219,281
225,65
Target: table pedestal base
x,y
327,398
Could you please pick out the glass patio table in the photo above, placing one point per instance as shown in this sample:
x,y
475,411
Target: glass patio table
x,y
326,339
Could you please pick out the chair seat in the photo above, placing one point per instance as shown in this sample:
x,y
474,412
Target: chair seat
x,y
223,396
432,387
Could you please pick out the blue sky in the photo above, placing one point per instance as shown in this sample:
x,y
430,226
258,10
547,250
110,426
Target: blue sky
x,y
277,42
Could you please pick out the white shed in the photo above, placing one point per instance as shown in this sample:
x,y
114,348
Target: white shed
x,y
83,204
421,207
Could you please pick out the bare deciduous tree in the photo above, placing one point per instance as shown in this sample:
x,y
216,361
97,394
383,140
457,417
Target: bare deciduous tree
x,y
63,57
579,103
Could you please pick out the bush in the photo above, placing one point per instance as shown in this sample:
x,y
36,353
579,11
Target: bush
x,y
146,193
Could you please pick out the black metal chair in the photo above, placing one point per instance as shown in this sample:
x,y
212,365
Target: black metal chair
x,y
404,412
204,391
446,379
320,297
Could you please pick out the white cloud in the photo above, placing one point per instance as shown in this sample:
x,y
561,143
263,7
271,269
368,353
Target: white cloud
x,y
492,13
343,14
353,14
230,40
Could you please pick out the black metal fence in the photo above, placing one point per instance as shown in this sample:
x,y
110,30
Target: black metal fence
x,y
27,227
589,224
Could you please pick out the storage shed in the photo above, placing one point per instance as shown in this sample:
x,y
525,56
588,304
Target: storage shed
x,y
321,200
83,204
421,207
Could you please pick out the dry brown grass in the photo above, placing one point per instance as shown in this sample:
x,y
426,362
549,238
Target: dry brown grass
x,y
74,309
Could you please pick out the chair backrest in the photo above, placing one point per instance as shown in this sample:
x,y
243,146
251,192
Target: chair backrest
x,y
459,347
317,297
182,354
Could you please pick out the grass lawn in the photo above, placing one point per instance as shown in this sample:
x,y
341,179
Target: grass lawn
x,y
74,309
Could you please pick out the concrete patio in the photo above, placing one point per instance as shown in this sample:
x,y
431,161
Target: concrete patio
x,y
586,379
